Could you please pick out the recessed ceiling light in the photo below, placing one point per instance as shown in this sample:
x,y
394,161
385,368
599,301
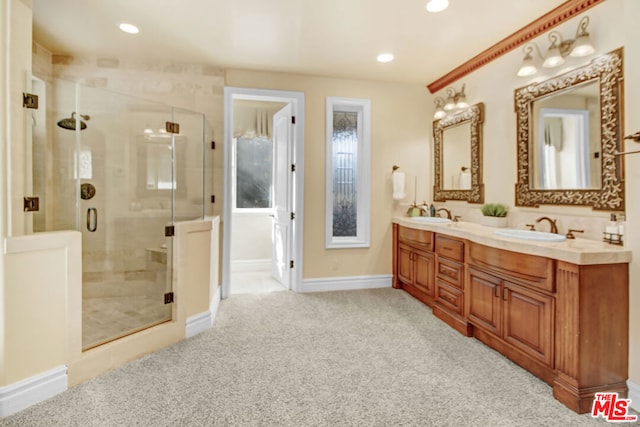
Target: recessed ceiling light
x,y
129,28
385,57
435,6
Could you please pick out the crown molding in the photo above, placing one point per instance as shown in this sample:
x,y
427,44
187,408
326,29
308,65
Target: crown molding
x,y
555,17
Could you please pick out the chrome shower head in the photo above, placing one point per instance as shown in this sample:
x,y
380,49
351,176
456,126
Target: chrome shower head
x,y
70,122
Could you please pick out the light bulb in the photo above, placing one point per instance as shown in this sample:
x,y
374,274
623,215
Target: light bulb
x,y
553,58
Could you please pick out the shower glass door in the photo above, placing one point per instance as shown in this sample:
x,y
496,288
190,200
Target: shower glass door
x,y
125,177
104,164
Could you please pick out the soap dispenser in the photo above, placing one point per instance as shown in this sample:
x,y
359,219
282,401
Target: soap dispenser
x,y
432,210
612,228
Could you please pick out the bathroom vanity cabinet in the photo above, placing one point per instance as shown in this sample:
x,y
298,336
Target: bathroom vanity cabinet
x,y
415,263
510,303
550,309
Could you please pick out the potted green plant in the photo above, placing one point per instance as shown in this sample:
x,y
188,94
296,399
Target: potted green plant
x,y
494,215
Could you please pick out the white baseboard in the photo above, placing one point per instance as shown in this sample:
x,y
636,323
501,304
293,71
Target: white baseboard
x,y
203,321
634,395
250,265
198,323
347,283
215,303
28,392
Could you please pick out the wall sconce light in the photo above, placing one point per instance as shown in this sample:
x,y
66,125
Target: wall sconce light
x,y
440,113
455,101
558,49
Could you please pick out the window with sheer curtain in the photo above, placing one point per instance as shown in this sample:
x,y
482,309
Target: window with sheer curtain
x,y
348,173
253,173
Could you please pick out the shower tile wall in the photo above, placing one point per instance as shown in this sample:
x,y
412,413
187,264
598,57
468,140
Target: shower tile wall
x,y
193,87
118,270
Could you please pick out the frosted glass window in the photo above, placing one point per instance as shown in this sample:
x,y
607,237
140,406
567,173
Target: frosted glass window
x,y
345,166
348,173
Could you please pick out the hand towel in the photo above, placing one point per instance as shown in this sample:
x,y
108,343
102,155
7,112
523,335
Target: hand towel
x,y
465,181
398,185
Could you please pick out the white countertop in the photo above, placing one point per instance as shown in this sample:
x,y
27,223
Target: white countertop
x,y
576,251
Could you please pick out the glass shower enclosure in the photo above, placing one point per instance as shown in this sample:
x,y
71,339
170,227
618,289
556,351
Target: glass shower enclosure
x,y
122,171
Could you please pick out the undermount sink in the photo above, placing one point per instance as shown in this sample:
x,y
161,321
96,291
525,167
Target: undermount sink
x,y
430,219
536,236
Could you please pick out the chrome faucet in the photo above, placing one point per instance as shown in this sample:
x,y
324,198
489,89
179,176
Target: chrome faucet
x,y
552,223
446,210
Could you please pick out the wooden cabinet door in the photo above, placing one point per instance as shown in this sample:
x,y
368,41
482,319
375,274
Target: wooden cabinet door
x,y
484,305
405,264
424,272
528,321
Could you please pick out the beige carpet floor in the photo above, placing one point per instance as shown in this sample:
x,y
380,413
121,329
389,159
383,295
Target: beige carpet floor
x,y
352,358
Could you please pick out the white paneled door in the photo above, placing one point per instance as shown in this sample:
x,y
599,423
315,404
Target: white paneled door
x,y
283,213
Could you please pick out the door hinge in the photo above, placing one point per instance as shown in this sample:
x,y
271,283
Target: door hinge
x,y
213,145
293,120
169,231
291,264
168,298
293,167
213,199
31,204
30,100
172,127
293,215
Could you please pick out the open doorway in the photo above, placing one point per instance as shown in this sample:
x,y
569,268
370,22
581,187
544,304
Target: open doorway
x,y
262,228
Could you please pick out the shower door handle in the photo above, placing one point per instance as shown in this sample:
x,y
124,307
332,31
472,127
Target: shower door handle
x,y
92,212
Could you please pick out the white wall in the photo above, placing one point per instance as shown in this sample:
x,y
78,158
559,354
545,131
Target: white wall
x,y
613,24
399,136
15,29
251,236
494,85
19,68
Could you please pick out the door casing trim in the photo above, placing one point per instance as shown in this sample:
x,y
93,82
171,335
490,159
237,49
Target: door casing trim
x,y
296,99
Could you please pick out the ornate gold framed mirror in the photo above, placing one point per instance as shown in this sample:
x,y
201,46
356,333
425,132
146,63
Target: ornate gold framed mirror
x,y
569,131
458,156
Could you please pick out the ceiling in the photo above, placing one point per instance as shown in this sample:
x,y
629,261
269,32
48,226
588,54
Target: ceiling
x,y
337,38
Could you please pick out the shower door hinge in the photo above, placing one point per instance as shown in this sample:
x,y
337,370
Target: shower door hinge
x,y
291,264
31,204
213,199
293,120
168,298
293,167
172,127
169,231
213,145
30,100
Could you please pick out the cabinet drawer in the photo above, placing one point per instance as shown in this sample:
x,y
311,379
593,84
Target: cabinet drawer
x,y
422,238
536,270
450,248
449,297
451,272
